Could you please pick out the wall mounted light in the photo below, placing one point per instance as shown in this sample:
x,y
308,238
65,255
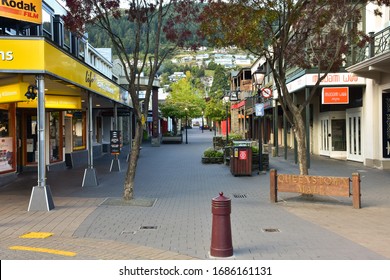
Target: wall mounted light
x,y
234,95
31,92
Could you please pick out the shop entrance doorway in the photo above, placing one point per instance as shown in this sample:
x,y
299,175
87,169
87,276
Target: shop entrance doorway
x,y
333,139
31,138
53,149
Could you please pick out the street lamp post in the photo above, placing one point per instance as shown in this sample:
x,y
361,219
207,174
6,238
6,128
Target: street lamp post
x,y
202,121
226,99
186,109
258,77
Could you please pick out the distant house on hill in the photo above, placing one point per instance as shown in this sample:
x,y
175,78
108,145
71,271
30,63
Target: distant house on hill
x,y
243,61
186,59
202,56
176,76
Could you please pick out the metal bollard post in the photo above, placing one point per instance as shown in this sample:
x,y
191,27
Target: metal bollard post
x,y
221,236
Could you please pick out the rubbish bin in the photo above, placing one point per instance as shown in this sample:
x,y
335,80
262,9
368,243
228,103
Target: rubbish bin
x,y
241,158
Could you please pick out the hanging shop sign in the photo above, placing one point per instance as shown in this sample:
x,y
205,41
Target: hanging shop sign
x,y
335,95
55,102
28,11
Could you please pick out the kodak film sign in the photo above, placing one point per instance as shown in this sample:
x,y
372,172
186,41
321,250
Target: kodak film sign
x,y
23,10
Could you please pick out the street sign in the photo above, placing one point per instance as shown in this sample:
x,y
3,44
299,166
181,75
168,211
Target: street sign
x,y
267,92
259,110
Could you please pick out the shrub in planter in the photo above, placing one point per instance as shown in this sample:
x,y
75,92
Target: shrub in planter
x,y
212,156
255,150
233,137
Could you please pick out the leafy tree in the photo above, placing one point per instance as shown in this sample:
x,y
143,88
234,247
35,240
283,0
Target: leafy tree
x,y
212,65
220,82
169,67
307,34
185,100
215,109
138,45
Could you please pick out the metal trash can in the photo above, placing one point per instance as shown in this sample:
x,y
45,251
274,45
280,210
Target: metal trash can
x,y
241,158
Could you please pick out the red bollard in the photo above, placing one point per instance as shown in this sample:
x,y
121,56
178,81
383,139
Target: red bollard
x,y
221,235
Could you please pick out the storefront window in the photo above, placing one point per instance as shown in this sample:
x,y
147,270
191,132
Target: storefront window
x,y
32,138
4,123
54,133
6,149
79,130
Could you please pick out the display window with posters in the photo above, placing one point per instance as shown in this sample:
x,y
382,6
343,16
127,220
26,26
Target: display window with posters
x,y
55,136
79,130
6,143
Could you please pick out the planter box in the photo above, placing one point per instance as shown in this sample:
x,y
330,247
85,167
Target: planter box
x,y
218,142
212,159
255,162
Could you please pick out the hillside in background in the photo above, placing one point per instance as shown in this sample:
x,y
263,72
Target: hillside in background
x,y
122,27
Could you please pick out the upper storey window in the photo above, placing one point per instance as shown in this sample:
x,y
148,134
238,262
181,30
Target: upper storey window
x,y
47,24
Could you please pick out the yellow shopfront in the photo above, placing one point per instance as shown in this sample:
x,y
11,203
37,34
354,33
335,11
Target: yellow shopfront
x,y
18,126
67,82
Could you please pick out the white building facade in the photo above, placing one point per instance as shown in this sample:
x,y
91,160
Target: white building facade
x,y
374,66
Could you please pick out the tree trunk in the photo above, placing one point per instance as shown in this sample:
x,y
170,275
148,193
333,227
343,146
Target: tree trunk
x,y
300,136
128,188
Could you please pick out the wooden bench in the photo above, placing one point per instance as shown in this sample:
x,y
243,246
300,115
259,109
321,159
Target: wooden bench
x,y
315,185
176,139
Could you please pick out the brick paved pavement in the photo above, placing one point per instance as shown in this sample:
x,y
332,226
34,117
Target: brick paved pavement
x,y
178,224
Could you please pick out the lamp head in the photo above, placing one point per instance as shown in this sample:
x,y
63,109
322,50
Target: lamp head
x,y
259,75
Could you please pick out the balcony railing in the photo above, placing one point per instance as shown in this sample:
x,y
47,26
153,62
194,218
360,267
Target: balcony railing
x,y
379,43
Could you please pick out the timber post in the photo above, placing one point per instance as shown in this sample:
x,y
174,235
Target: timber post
x,y
273,183
356,196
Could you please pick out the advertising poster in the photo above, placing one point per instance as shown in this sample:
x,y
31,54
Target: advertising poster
x,y
5,154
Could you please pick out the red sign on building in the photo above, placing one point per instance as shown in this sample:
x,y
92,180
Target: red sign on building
x,y
335,95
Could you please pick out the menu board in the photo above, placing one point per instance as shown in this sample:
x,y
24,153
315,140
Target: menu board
x,y
386,124
115,142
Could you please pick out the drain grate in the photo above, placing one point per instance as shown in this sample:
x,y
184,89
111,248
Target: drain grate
x,y
270,230
148,227
128,232
239,195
